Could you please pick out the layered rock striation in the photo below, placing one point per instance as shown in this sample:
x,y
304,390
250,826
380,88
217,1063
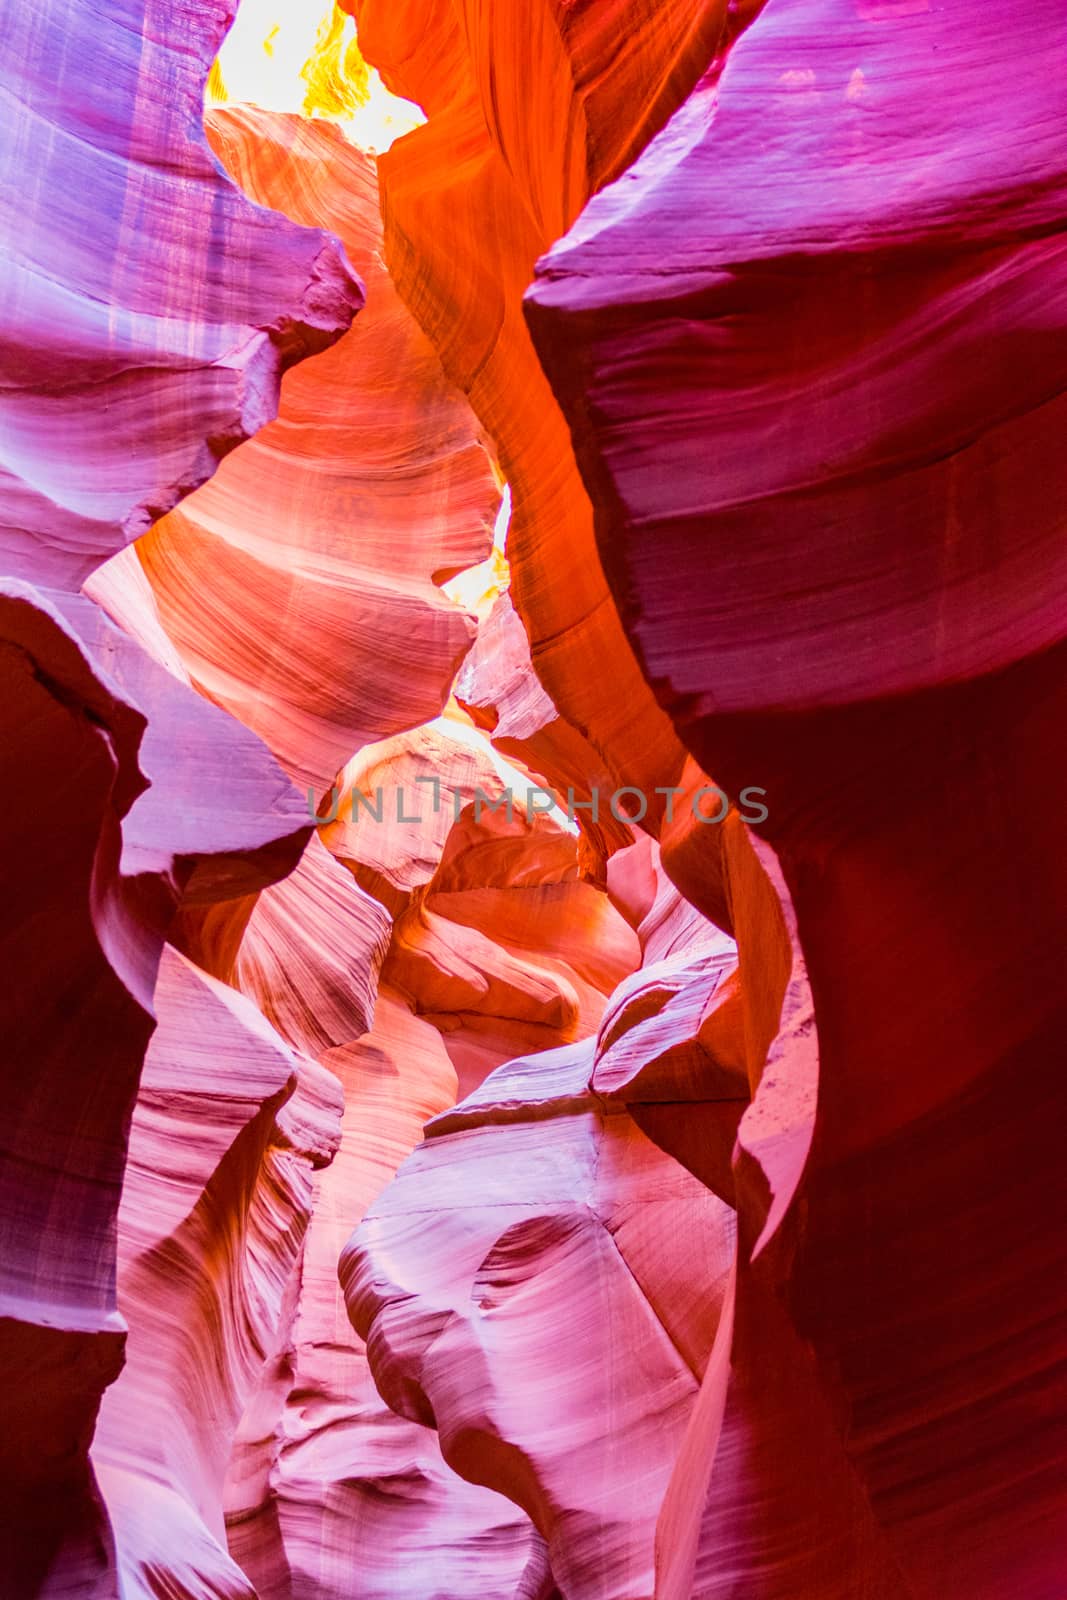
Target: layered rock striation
x,y
421,1177
809,365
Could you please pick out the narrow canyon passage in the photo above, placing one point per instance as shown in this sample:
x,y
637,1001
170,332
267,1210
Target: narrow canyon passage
x,y
531,624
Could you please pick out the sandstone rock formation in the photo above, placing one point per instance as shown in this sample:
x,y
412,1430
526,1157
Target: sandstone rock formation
x,y
328,1485
149,309
423,1176
216,1199
537,1211
148,312
531,110
318,641
865,502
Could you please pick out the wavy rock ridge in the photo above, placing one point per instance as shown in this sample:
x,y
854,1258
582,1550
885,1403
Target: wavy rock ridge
x,y
423,1177
148,312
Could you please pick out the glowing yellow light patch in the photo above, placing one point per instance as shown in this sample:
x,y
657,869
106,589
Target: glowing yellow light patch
x,y
287,55
337,76
477,587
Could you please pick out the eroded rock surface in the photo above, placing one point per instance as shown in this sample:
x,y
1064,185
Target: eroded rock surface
x,y
797,348
424,1180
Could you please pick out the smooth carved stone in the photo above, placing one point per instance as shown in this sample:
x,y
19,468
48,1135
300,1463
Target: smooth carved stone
x,y
498,688
147,313
306,949
75,1023
301,585
326,1481
497,935
504,945
219,817
228,1126
148,308
738,1270
541,1189
819,411
532,106
751,486
390,814
85,932
457,1278
310,954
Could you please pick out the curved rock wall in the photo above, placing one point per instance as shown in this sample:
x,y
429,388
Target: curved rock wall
x,y
862,509
423,1178
148,311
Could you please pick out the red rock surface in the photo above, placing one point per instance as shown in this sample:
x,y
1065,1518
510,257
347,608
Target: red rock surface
x,y
531,108
301,584
422,1180
537,1207
148,309
343,1485
864,501
215,1204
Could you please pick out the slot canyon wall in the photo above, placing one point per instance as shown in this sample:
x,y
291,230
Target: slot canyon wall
x,y
533,889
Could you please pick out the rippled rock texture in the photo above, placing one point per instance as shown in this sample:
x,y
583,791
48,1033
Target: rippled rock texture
x,y
148,308
452,1149
530,111
319,641
148,311
809,359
